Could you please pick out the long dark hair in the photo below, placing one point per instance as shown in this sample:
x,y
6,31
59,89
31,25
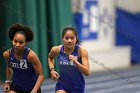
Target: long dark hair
x,y
73,29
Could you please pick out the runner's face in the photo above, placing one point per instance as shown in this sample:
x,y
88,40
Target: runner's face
x,y
69,39
19,42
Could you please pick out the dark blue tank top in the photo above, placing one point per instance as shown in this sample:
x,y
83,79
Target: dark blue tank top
x,y
24,76
70,76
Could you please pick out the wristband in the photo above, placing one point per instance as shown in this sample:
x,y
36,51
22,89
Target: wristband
x,y
33,92
52,69
8,81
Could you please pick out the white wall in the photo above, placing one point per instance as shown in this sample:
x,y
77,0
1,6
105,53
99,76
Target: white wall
x,y
115,58
129,5
106,30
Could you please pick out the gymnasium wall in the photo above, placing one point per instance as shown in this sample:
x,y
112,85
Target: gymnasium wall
x,y
103,54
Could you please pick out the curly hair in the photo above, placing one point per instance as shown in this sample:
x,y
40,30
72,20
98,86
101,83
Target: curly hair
x,y
22,29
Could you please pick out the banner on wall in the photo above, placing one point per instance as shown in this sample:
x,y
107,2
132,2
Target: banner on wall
x,y
127,32
86,21
89,21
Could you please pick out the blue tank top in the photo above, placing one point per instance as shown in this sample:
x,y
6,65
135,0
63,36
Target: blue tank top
x,y
24,76
70,76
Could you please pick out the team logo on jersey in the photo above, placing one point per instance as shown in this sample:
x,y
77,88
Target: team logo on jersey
x,y
11,58
22,64
68,62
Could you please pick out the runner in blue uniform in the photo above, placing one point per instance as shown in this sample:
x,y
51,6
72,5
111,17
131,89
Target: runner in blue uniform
x,y
24,70
73,62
